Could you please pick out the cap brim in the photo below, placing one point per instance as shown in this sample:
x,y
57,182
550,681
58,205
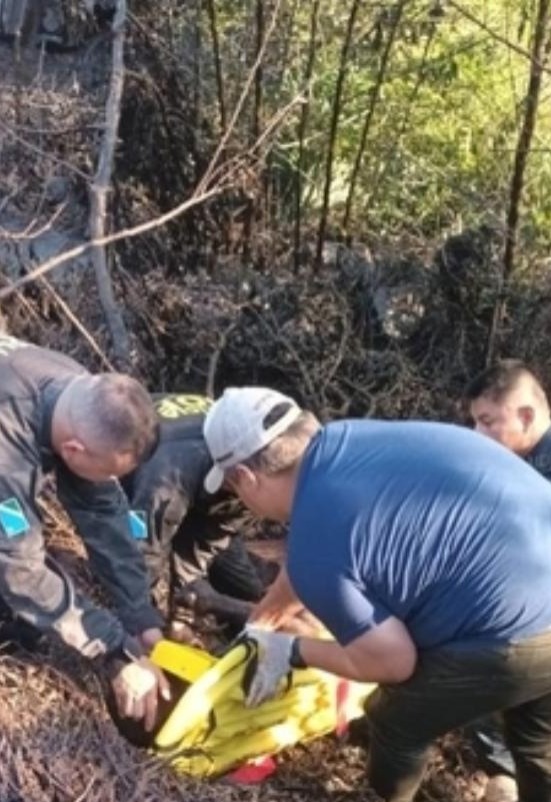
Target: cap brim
x,y
214,479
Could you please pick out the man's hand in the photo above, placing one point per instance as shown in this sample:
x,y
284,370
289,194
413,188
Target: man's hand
x,y
278,607
137,686
148,638
274,654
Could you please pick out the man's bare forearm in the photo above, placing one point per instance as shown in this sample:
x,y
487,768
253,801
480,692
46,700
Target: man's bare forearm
x,y
280,604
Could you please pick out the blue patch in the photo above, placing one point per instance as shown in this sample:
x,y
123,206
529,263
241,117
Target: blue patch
x,y
138,524
12,518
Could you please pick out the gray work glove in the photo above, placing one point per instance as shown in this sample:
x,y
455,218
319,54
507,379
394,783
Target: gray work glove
x,y
274,655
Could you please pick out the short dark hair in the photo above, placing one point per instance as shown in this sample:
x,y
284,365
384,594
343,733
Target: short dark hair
x,y
498,380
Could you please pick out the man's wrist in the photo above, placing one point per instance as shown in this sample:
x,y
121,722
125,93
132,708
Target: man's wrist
x,y
296,660
128,651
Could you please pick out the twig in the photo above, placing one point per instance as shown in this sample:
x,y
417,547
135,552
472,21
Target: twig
x,y
35,149
81,797
371,106
133,231
241,101
275,331
224,175
215,358
27,232
301,133
218,72
77,324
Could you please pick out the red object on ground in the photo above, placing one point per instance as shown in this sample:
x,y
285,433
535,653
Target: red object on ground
x,y
342,695
254,772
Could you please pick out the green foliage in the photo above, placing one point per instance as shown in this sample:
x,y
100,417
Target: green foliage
x,y
430,113
442,136
444,127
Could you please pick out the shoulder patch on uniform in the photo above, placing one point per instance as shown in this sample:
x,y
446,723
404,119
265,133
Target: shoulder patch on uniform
x,y
138,524
12,518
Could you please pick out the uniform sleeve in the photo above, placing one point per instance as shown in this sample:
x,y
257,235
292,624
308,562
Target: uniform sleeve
x,y
541,460
201,538
333,596
164,503
164,491
32,584
100,513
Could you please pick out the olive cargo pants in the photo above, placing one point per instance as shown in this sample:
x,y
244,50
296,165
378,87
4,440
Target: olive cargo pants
x,y
451,687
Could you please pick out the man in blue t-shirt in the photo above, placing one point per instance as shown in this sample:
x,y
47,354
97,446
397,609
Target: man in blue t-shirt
x,y
424,549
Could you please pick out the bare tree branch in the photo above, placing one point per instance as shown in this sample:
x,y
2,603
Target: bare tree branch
x,y
216,179
133,231
29,232
81,328
221,179
39,151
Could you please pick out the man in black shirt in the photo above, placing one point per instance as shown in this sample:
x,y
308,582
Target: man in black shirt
x,y
179,526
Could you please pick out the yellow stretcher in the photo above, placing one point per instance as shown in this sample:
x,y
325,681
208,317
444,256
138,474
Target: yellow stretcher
x,y
209,731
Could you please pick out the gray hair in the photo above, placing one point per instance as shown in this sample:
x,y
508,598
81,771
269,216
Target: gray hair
x,y
285,450
113,411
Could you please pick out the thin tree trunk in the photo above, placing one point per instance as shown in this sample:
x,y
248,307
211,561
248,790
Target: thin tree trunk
x,y
256,127
98,196
304,113
540,50
211,9
374,97
339,86
259,77
197,76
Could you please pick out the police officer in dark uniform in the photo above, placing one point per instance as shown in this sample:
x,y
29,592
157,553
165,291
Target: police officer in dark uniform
x,y
180,527
56,417
508,403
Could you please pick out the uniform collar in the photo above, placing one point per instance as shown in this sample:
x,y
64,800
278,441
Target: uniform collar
x,y
49,396
540,456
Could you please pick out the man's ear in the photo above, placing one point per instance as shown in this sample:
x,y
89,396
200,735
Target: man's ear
x,y
242,477
71,448
527,415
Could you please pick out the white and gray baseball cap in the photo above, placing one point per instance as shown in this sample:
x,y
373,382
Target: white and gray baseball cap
x,y
235,427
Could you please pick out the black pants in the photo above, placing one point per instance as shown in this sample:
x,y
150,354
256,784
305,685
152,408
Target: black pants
x,y
487,739
452,687
14,631
204,548
235,572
